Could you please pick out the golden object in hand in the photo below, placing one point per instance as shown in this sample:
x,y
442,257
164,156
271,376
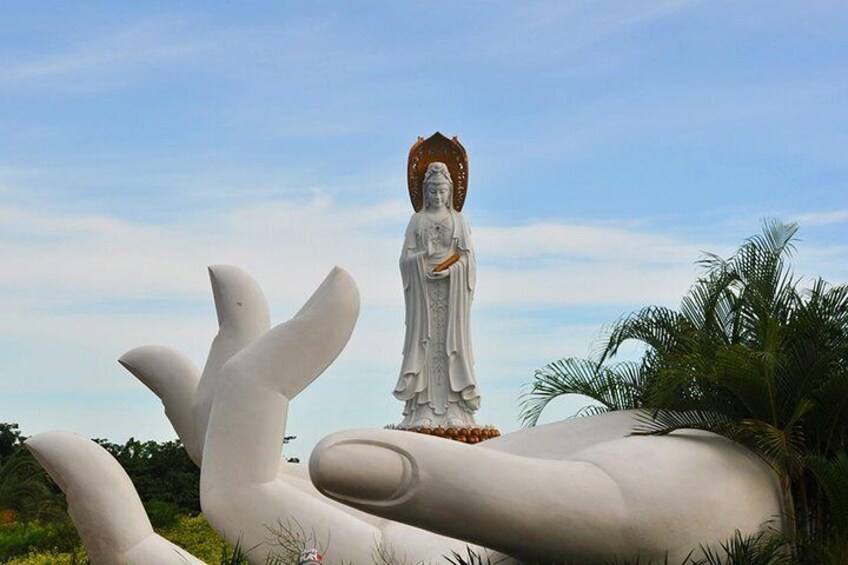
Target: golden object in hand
x,y
444,265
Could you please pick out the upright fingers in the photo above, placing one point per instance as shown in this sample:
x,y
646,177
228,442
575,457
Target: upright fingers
x,y
294,353
174,379
102,502
248,418
242,318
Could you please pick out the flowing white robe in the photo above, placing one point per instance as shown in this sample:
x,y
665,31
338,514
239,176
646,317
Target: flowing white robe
x,y
457,397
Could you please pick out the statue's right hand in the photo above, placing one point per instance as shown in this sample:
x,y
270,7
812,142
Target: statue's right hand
x,y
437,275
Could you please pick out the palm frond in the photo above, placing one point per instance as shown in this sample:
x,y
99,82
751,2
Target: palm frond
x,y
832,475
749,355
664,422
658,327
23,485
757,549
615,387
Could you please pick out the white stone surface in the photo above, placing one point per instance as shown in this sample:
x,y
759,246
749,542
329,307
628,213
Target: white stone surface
x,y
103,503
186,393
246,485
581,489
437,382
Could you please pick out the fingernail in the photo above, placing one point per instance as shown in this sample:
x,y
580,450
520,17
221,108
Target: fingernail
x,y
363,472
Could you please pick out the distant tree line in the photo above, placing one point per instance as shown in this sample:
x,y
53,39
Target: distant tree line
x,y
166,479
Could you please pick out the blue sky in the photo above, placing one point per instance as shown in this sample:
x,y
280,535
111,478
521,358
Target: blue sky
x,y
610,143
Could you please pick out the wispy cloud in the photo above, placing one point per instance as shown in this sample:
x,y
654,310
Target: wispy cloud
x,y
537,32
822,218
255,140
50,254
142,44
79,289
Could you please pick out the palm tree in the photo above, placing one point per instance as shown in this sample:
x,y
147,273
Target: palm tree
x,y
23,486
748,355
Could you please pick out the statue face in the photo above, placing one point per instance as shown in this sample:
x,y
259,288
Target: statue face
x,y
437,193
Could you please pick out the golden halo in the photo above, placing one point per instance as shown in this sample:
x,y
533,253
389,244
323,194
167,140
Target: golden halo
x,y
437,148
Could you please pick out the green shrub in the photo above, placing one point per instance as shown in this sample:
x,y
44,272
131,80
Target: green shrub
x,y
195,535
50,558
17,539
57,537
162,514
57,543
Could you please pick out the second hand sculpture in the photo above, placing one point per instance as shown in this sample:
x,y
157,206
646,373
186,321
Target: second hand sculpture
x,y
581,490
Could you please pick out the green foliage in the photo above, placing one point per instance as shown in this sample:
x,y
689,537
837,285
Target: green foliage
x,y
57,542
195,535
10,440
24,486
161,472
17,538
614,387
162,514
57,536
471,557
235,557
758,549
165,478
750,355
51,557
21,486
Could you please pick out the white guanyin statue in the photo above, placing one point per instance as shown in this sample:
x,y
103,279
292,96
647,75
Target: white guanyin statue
x,y
438,269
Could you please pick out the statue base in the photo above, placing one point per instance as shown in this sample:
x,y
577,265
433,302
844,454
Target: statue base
x,y
463,434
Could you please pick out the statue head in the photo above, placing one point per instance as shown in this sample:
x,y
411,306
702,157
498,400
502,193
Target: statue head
x,y
438,186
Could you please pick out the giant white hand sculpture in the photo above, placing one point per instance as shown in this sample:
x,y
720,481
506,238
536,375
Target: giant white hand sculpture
x,y
580,490
250,376
186,394
103,503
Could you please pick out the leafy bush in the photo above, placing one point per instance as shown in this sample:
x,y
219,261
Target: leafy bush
x,y
750,355
195,535
160,471
51,558
162,514
18,539
24,486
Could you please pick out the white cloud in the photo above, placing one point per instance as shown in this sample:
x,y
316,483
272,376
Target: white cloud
x,y
51,257
584,241
147,42
544,30
80,289
61,268
822,218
